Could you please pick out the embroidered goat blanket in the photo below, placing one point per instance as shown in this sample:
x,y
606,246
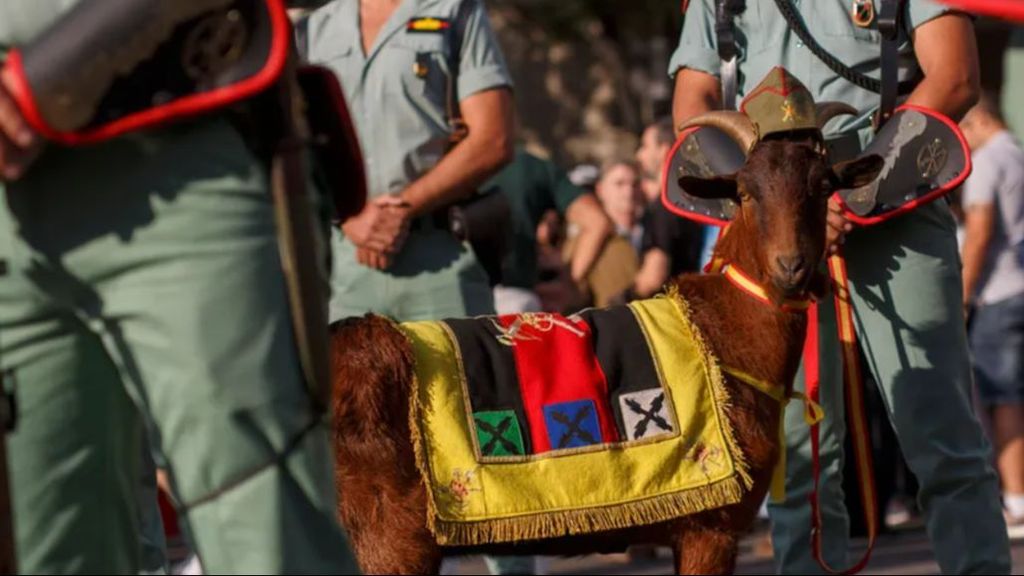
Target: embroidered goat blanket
x,y
538,425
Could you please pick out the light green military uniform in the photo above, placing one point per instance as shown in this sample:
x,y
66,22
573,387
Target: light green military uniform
x,y
403,130
146,290
906,285
1013,82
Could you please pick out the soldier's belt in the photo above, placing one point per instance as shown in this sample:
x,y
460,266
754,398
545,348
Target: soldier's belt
x,y
107,68
925,155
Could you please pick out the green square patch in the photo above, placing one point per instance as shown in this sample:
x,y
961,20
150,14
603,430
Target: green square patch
x,y
498,433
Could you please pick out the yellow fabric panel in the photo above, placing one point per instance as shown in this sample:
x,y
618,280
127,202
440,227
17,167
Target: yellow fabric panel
x,y
697,468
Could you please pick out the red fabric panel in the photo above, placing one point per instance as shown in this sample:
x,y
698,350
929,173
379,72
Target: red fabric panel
x,y
555,365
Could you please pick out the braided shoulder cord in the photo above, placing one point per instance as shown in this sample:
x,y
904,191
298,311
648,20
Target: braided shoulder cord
x,y
800,29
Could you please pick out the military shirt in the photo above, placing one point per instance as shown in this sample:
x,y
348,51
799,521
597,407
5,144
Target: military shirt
x,y
764,40
1013,82
21,20
398,91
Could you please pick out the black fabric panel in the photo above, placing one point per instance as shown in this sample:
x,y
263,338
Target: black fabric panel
x,y
490,368
623,354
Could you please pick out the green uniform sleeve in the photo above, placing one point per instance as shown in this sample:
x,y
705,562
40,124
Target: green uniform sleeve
x,y
481,63
563,191
921,11
698,48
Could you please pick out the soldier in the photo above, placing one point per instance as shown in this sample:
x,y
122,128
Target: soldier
x,y
431,99
904,273
146,290
410,70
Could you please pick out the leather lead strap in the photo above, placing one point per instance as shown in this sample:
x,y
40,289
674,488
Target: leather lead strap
x,y
853,386
889,24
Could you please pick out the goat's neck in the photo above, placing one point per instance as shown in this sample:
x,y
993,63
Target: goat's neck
x,y
771,323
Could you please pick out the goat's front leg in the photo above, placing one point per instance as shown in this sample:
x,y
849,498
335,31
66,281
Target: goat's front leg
x,y
700,550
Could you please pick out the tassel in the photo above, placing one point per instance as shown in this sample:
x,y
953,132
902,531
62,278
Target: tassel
x,y
813,413
778,485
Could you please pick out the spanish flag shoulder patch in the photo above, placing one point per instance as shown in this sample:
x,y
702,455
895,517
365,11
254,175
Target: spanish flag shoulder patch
x,y
424,25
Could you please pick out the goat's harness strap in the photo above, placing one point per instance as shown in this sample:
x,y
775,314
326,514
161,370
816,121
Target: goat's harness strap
x,y
748,285
857,417
813,413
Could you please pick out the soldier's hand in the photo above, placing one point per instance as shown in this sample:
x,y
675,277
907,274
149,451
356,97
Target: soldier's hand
x,y
382,226
836,228
373,259
19,144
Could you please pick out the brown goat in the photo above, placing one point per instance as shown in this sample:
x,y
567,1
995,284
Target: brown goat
x,y
777,237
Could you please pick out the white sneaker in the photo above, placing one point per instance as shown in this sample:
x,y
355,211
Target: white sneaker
x,y
1014,526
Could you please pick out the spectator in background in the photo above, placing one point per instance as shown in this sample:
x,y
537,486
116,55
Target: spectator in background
x,y
619,191
533,186
993,273
670,244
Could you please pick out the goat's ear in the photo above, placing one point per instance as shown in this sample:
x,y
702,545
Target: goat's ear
x,y
715,187
858,172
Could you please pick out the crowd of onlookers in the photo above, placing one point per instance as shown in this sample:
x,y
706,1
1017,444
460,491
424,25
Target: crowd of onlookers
x,y
618,244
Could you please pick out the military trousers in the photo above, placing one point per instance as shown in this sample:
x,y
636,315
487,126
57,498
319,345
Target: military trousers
x,y
146,293
906,290
433,277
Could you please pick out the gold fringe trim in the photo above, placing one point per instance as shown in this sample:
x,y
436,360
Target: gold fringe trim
x,y
416,436
723,401
571,522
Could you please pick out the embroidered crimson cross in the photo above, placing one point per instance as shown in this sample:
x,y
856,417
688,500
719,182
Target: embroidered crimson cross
x,y
649,415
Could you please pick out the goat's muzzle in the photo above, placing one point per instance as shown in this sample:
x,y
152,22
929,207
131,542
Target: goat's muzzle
x,y
790,274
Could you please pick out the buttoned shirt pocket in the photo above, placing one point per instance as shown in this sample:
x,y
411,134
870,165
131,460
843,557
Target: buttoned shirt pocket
x,y
423,62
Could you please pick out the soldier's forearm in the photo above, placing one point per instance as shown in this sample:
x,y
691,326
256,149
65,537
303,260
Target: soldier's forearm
x,y
479,156
695,93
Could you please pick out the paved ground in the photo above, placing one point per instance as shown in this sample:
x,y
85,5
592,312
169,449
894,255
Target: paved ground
x,y
899,553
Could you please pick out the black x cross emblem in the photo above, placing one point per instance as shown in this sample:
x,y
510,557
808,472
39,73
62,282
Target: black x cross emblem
x,y
497,437
572,427
649,415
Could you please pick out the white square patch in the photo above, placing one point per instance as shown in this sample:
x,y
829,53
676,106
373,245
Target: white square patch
x,y
646,413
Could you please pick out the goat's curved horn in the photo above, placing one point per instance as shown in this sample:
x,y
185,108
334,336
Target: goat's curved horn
x,y
734,124
826,111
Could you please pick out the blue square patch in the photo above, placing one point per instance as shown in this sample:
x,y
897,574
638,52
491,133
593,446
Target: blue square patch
x,y
572,424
